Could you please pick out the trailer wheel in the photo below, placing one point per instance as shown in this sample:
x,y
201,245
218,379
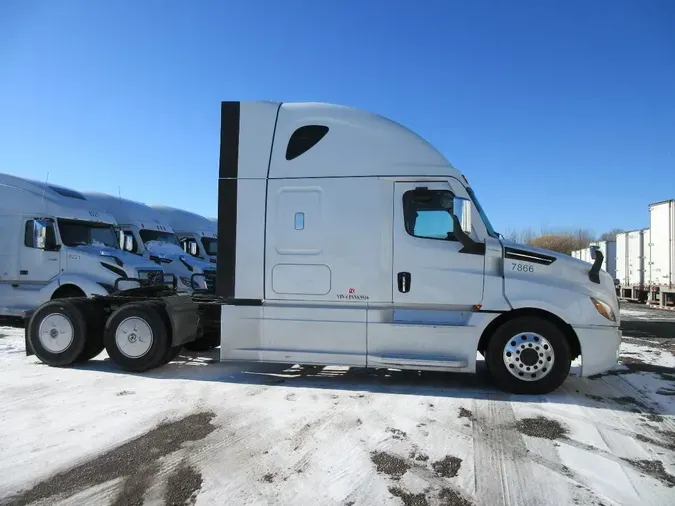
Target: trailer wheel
x,y
137,337
93,344
205,343
528,355
57,332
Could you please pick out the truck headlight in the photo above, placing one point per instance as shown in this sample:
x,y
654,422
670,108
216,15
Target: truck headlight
x,y
604,309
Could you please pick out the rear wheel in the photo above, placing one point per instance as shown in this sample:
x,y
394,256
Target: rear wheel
x,y
528,355
137,337
57,332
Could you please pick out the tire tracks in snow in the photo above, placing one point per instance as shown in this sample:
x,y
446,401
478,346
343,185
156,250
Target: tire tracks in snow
x,y
508,472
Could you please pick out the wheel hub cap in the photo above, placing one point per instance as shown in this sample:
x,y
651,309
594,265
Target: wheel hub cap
x,y
56,333
528,356
133,337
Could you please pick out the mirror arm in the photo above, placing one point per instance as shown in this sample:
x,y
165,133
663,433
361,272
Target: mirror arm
x,y
469,245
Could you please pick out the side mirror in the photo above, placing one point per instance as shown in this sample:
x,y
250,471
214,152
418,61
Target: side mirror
x,y
461,208
40,234
128,243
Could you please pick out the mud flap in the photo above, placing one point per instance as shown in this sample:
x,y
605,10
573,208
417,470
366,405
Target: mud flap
x,y
183,314
26,325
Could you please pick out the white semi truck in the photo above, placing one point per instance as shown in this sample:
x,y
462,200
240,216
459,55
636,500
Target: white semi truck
x,y
55,244
148,234
341,243
197,235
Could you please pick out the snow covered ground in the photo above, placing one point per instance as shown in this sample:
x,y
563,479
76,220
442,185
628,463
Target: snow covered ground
x,y
198,431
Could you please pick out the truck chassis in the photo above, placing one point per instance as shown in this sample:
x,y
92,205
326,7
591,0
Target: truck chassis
x,y
140,328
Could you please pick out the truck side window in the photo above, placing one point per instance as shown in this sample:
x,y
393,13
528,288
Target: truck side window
x,y
303,139
428,214
28,234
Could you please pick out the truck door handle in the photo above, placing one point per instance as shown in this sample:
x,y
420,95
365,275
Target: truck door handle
x,y
404,282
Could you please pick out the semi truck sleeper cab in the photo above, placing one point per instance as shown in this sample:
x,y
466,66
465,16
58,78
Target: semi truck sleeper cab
x,y
346,239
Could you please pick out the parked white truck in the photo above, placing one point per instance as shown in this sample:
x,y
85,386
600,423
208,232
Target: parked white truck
x,y
341,243
146,233
55,244
198,236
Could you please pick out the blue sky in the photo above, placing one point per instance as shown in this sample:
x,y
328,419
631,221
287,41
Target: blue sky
x,y
559,113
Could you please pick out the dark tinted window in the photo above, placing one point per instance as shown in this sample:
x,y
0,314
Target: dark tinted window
x,y
210,245
28,236
83,233
303,139
68,193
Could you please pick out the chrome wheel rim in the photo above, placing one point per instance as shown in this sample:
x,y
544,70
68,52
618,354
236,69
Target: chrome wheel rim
x,y
528,356
133,337
56,333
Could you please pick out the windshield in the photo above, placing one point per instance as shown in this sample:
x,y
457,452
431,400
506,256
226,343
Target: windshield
x,y
488,225
156,235
210,245
87,233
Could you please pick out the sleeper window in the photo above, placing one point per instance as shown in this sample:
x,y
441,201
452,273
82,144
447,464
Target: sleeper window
x,y
299,221
428,214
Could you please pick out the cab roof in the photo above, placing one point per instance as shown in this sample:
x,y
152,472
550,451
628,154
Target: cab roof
x,y
128,212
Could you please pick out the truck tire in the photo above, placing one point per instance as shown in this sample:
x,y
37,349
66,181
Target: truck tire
x,y
173,353
57,332
93,344
204,343
137,337
528,355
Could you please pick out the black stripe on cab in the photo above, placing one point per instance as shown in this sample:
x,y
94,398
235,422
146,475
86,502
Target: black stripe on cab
x,y
528,256
230,113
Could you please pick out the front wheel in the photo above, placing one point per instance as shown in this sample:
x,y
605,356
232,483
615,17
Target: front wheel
x,y
528,355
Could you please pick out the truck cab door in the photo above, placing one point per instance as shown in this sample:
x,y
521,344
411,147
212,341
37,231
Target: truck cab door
x,y
40,257
430,266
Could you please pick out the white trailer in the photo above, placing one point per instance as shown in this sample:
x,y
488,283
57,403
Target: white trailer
x,y
55,244
341,242
197,235
662,251
608,249
630,264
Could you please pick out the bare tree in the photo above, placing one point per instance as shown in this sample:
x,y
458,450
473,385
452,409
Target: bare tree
x,y
610,235
561,240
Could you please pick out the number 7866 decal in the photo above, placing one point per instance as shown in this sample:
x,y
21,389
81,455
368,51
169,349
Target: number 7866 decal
x,y
522,267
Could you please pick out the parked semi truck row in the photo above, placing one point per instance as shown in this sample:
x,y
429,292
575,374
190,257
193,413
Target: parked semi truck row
x,y
198,236
55,244
346,239
149,234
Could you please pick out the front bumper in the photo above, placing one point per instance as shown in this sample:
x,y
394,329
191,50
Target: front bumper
x,y
599,348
